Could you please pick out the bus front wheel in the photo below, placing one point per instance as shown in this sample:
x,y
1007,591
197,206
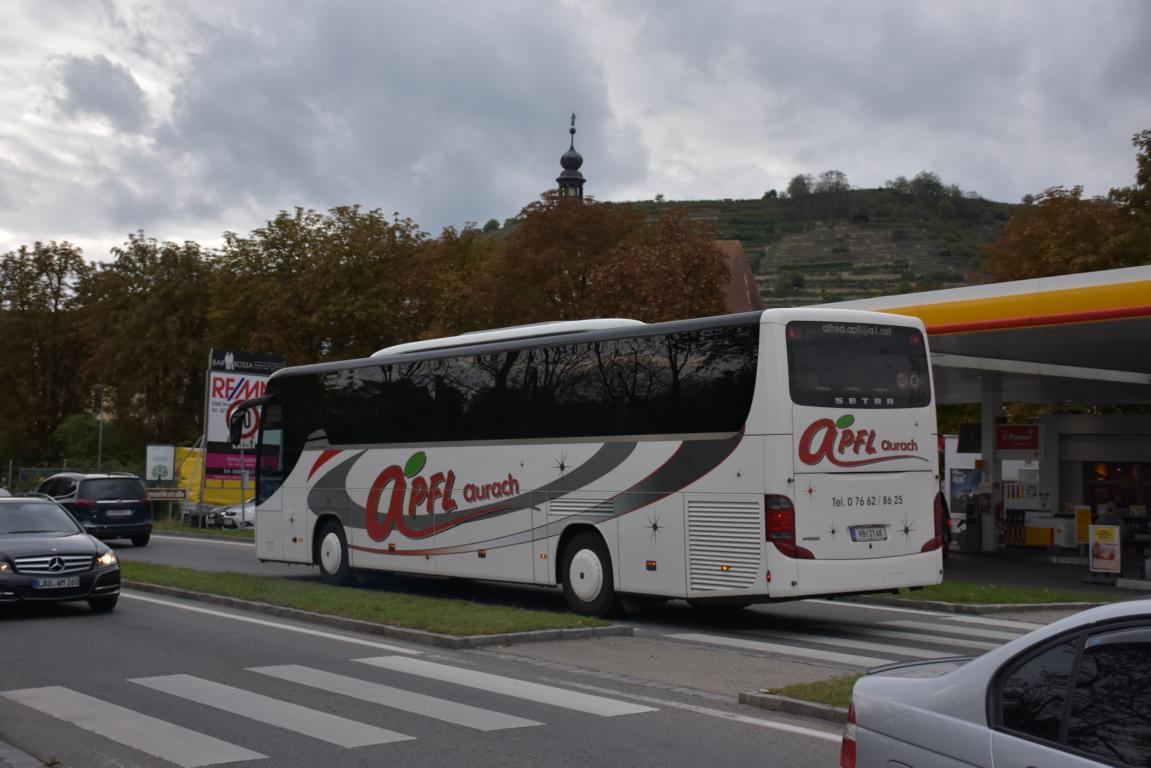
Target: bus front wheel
x,y
332,555
588,584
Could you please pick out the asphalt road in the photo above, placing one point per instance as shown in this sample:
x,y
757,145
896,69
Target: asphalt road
x,y
162,682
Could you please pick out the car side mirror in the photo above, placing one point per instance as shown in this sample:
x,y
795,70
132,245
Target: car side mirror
x,y
236,427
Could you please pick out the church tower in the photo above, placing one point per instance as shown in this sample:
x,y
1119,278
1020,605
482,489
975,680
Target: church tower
x,y
571,180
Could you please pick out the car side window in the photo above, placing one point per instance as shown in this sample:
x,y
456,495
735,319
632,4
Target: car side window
x,y
46,487
1111,700
64,487
1033,696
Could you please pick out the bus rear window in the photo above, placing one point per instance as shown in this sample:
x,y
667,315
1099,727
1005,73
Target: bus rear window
x,y
857,365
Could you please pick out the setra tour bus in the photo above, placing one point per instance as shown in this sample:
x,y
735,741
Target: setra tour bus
x,y
729,460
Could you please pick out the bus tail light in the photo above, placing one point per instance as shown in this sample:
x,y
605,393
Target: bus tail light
x,y
779,519
937,540
847,746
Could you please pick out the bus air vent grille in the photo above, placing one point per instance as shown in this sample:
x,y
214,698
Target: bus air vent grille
x,y
570,506
724,544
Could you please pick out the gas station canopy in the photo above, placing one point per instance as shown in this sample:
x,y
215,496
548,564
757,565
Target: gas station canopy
x,y
1082,338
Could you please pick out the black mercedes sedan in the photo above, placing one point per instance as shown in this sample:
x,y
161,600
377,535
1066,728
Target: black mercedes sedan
x,y
46,556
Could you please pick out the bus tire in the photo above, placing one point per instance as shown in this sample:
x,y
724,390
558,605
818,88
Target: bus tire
x,y
588,583
332,555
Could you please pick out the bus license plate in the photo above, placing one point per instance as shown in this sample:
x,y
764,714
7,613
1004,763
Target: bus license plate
x,y
58,582
868,533
119,513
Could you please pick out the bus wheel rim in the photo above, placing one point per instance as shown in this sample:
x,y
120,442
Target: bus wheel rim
x,y
331,554
586,575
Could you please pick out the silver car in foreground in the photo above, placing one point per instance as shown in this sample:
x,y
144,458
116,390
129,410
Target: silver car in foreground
x,y
1074,693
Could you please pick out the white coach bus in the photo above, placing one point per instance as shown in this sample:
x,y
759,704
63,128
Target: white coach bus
x,y
736,459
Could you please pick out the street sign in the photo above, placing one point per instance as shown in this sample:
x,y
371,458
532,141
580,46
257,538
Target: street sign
x,y
160,462
167,494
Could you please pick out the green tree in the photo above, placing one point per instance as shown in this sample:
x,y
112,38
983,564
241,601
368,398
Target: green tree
x,y
927,184
799,186
831,181
314,286
146,323
1133,245
44,381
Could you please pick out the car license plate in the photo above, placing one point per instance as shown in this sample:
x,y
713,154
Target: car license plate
x,y
119,513
868,533
57,582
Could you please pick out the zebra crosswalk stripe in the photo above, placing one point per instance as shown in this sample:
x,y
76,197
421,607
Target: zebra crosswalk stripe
x,y
254,706
950,629
849,659
153,736
397,698
922,637
862,645
542,694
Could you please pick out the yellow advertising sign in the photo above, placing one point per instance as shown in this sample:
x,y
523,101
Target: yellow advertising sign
x,y
1105,548
1082,523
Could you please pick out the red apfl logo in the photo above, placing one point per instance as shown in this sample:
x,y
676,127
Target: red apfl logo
x,y
424,491
834,441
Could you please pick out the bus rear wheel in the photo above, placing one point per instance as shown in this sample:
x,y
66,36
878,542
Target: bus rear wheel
x,y
332,555
588,584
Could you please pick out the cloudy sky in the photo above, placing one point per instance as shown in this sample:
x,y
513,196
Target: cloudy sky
x,y
188,119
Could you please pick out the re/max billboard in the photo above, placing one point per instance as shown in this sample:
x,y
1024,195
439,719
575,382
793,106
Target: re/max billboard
x,y
234,377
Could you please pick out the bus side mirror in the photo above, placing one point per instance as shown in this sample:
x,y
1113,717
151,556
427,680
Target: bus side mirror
x,y
236,427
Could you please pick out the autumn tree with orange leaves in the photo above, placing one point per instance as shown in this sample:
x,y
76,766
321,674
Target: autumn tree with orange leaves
x,y
570,259
1063,233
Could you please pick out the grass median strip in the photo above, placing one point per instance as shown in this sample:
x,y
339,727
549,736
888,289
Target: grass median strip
x,y
835,691
978,593
176,526
459,618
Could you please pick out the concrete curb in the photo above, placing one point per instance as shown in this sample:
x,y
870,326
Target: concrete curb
x,y
10,757
966,608
398,633
793,706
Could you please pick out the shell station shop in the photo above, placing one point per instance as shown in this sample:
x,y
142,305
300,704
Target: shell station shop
x,y
1077,485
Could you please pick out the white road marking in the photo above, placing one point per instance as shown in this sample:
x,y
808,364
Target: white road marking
x,y
721,714
787,650
920,637
863,645
147,734
948,629
397,698
1027,626
264,709
543,694
194,540
273,624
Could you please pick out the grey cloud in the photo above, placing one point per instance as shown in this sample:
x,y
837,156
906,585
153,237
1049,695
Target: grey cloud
x,y
98,86
444,114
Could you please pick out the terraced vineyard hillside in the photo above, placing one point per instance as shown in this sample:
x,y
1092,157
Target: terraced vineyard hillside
x,y
847,245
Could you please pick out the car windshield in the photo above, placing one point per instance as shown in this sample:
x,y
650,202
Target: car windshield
x,y
35,517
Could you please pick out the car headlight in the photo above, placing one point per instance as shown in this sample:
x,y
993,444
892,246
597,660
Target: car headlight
x,y
106,559
5,567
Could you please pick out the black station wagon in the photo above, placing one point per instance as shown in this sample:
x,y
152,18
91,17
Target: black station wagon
x,y
108,506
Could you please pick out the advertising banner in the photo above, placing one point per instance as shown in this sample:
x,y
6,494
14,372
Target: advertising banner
x,y
1019,441
234,377
1105,549
1082,515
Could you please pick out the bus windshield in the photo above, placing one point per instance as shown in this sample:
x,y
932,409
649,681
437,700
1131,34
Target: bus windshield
x,y
861,365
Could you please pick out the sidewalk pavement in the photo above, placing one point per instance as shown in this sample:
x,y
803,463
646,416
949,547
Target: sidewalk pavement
x,y
1029,568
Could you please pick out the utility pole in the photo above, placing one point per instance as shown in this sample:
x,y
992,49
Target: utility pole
x,y
100,425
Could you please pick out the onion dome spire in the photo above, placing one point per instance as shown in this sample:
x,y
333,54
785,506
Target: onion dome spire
x,y
571,180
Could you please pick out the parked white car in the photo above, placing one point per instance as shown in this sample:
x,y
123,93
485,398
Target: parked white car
x,y
233,515
1073,693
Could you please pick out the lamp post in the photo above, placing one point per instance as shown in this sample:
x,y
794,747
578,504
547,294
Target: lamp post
x,y
100,425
